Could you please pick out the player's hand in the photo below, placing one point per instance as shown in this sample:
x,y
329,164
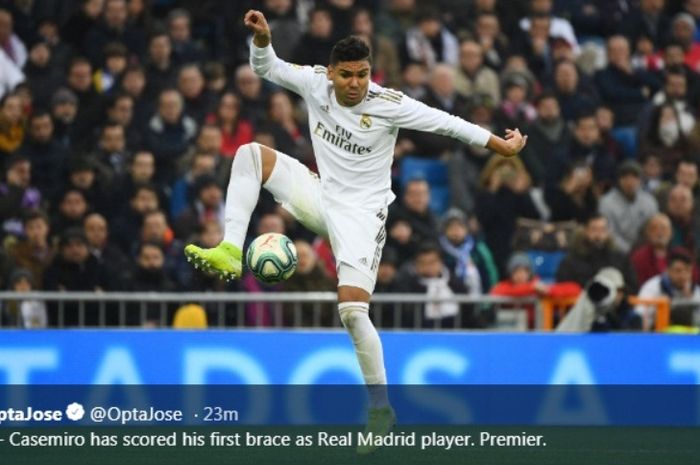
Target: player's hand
x,y
515,141
256,22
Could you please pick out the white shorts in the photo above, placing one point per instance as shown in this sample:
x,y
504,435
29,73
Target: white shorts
x,y
357,235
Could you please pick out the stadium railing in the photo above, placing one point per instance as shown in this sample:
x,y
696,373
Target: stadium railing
x,y
278,309
302,310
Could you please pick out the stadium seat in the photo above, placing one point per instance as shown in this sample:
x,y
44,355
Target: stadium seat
x,y
435,173
626,136
545,264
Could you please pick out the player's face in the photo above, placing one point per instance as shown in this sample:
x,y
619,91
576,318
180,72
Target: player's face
x,y
350,81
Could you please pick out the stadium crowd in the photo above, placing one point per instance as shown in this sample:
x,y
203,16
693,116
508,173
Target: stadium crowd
x,y
119,120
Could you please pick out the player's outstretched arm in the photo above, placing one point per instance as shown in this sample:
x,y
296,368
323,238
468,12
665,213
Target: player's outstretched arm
x,y
256,22
508,147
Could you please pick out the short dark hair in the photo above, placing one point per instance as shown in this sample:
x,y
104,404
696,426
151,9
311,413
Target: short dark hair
x,y
351,48
679,254
428,248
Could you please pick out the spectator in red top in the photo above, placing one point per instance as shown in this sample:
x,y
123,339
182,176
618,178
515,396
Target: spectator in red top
x,y
522,282
235,131
649,259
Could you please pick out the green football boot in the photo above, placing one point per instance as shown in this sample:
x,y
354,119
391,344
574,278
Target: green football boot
x,y
379,423
225,260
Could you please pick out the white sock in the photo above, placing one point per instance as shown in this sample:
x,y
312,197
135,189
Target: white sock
x,y
242,193
368,348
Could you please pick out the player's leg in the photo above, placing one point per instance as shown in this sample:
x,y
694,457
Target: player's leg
x,y
251,167
357,239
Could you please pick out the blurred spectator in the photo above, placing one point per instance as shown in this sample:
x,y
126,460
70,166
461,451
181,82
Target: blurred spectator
x,y
606,124
396,18
185,49
586,148
674,58
16,194
34,252
11,77
141,170
149,275
679,208
235,130
683,30
112,156
182,193
45,153
676,282
652,174
64,110
415,78
591,251
650,258
575,93
10,43
504,197
82,175
249,89
671,134
536,45
523,282
415,209
429,42
693,8
473,77
72,209
648,20
115,60
198,100
465,255
314,47
428,275
401,238
160,69
627,207
134,85
602,307
386,68
291,137
190,316
488,32
112,260
25,313
515,109
286,30
89,100
625,89
75,30
120,110
559,28
308,277
169,133
43,78
74,269
11,124
114,27
547,136
48,33
207,205
215,77
572,198
126,225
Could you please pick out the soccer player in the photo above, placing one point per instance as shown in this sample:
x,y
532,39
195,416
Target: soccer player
x,y
354,124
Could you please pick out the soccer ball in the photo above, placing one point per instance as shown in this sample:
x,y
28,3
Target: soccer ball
x,y
272,258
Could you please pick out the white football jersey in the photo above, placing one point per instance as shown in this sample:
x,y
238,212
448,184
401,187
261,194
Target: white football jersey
x,y
354,146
